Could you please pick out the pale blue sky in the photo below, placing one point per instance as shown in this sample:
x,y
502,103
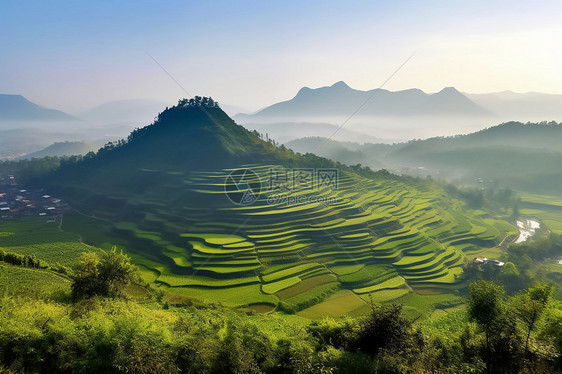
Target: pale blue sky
x,y
72,55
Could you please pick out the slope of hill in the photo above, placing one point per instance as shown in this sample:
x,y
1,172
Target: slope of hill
x,y
544,136
63,149
284,132
18,142
341,100
349,153
18,108
167,196
513,154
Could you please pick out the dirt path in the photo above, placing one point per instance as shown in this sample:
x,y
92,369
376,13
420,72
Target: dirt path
x,y
504,239
60,223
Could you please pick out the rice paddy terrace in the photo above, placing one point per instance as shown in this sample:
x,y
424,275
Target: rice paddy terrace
x,y
364,240
162,197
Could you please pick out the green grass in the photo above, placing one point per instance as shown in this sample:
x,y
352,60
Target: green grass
x,y
208,250
231,296
293,270
341,303
396,282
367,273
450,277
179,259
175,280
16,280
346,269
274,287
312,296
383,296
417,305
216,239
305,285
45,240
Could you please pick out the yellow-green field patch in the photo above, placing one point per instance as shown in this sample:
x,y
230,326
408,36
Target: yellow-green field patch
x,y
337,305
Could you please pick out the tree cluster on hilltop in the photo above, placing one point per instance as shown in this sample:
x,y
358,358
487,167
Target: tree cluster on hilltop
x,y
198,101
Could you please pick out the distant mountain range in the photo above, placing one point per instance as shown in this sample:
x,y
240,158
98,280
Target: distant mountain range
x,y
340,100
376,115
395,116
18,108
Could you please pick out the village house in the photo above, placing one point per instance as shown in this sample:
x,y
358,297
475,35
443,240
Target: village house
x,y
484,260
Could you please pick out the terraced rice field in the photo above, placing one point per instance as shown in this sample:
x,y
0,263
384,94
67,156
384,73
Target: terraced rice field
x,y
377,239
548,209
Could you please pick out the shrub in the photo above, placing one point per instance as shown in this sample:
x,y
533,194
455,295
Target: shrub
x,y
106,274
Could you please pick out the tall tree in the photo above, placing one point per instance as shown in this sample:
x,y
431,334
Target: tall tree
x,y
485,306
529,307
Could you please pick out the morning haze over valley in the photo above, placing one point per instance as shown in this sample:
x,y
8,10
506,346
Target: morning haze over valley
x,y
281,187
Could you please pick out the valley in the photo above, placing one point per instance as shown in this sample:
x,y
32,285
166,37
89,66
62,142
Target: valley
x,y
290,187
294,240
311,249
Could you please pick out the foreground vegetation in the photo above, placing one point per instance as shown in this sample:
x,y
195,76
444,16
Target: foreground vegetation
x,y
72,332
100,316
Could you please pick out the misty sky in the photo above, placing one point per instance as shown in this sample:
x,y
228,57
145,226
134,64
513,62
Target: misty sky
x,y
75,55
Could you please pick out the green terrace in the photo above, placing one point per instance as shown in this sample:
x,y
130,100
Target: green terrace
x,y
382,239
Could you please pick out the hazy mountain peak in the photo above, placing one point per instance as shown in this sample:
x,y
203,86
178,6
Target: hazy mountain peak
x,y
304,91
449,91
340,84
18,108
339,100
449,100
